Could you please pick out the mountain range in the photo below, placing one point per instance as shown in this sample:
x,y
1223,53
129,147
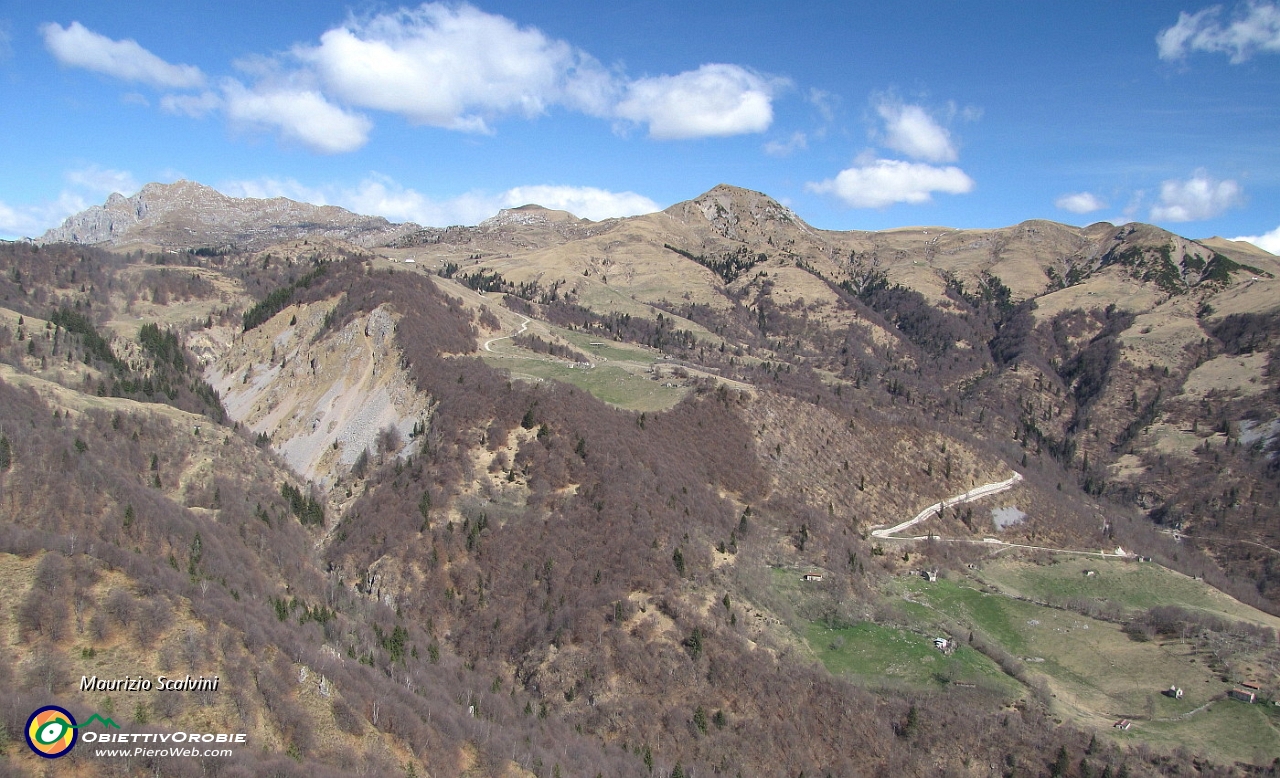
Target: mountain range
x,y
184,214
554,496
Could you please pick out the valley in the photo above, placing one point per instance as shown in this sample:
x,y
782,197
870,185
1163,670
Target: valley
x,y
543,500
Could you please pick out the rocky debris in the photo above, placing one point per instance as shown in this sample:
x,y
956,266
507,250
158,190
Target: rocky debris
x,y
322,397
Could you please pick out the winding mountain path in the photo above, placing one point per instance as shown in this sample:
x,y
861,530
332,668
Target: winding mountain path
x,y
891,533
973,494
488,344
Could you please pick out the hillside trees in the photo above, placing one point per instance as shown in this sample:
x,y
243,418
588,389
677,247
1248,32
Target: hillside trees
x,y
587,575
230,566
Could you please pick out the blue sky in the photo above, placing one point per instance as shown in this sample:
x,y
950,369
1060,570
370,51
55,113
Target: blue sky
x,y
857,115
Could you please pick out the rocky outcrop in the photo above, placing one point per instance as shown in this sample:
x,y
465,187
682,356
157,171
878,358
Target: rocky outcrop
x,y
321,397
738,214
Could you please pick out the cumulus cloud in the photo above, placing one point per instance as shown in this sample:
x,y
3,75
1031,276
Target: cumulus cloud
x,y
1269,241
443,65
460,68
1254,27
1199,197
883,182
453,66
77,46
714,100
299,114
382,196
1080,202
911,130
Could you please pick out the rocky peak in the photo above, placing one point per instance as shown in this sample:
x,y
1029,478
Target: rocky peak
x,y
737,214
186,214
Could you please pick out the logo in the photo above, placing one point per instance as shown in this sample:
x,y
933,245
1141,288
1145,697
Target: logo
x,y
51,732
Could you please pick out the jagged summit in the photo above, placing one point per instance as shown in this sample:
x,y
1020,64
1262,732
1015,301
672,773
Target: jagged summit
x,y
186,214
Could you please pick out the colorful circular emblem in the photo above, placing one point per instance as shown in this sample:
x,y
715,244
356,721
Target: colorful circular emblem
x,y
51,732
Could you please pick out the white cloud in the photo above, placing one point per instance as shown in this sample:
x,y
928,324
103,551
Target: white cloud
x,y
382,196
911,130
785,148
102,181
85,186
881,182
1269,241
1199,197
195,106
376,196
460,68
1080,202
299,114
1254,28
454,66
21,222
714,100
585,201
30,221
78,46
444,65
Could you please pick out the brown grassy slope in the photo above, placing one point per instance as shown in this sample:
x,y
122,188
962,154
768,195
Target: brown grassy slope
x,y
554,581
155,500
